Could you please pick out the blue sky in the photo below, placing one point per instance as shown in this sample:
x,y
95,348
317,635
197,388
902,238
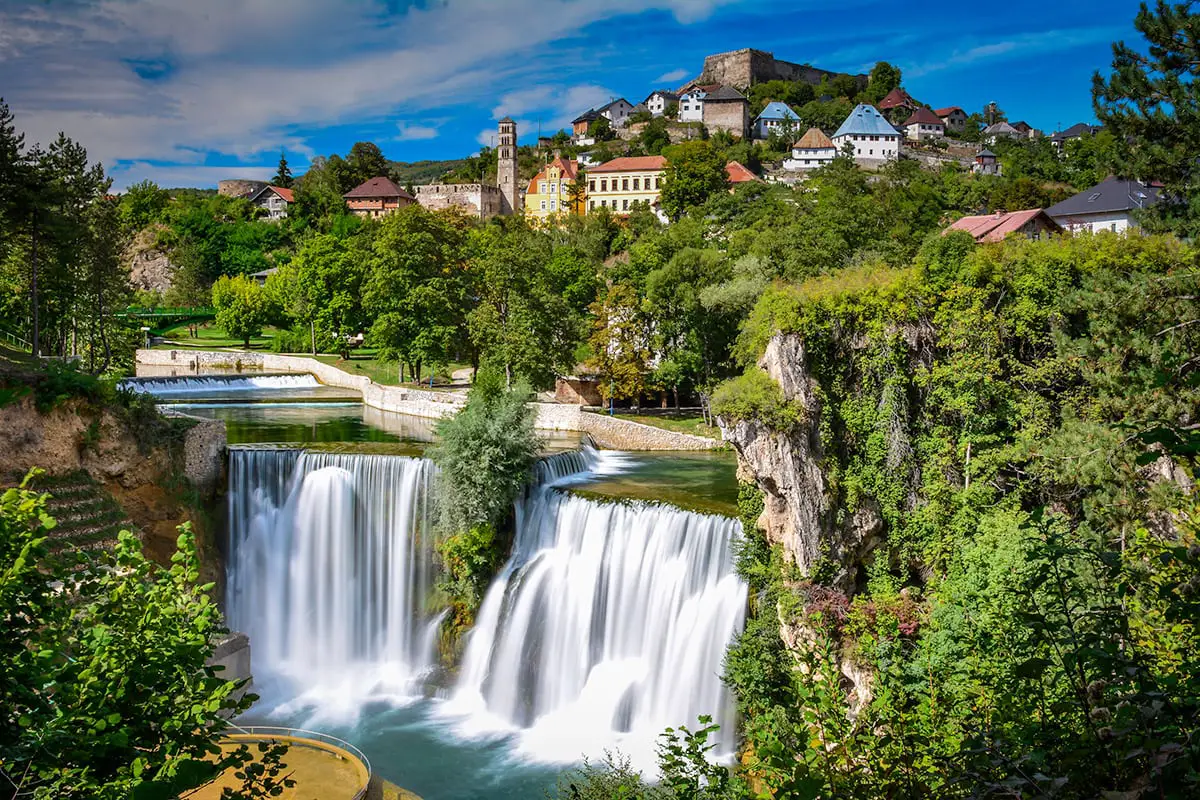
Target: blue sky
x,y
188,91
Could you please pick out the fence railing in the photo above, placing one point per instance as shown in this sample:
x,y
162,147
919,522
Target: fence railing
x,y
275,732
16,341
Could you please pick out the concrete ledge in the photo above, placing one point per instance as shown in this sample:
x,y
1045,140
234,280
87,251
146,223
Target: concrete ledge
x,y
608,432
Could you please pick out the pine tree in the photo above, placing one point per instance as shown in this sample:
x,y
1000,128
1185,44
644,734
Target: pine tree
x,y
1151,104
283,175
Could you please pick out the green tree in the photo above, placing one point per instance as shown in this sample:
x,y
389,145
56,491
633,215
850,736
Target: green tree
x,y
620,344
283,173
322,288
365,161
143,203
104,688
1151,105
416,288
485,455
883,78
241,306
601,130
695,172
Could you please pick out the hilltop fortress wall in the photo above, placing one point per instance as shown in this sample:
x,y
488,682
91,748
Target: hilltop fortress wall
x,y
746,67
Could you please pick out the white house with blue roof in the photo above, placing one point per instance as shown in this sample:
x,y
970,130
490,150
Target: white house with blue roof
x,y
776,117
872,137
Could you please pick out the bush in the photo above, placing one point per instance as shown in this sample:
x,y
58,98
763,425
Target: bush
x,y
754,396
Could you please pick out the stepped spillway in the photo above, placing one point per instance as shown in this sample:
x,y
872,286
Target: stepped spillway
x,y
209,384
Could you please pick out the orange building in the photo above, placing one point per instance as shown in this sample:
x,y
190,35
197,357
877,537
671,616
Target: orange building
x,y
377,197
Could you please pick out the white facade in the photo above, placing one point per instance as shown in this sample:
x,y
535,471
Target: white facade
x,y
804,158
919,131
764,127
870,147
617,112
691,105
657,103
1110,221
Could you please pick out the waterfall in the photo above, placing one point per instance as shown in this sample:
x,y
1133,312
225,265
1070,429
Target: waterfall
x,y
608,624
331,569
218,383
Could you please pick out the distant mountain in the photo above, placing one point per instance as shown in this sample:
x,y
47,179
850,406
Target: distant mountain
x,y
418,172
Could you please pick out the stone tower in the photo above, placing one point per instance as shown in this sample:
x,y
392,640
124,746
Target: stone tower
x,y
506,169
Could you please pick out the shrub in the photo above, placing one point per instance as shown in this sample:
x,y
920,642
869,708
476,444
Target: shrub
x,y
754,396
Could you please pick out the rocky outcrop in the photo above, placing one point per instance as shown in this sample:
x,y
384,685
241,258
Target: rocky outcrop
x,y
798,510
144,480
150,268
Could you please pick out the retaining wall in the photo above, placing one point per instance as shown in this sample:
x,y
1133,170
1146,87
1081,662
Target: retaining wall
x,y
607,431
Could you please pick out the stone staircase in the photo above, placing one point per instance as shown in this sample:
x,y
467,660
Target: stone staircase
x,y
88,516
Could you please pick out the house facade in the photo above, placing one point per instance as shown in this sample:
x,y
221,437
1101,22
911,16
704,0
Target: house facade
x,y
872,137
1001,130
377,197
549,192
1058,138
1111,205
617,112
658,102
274,200
691,102
776,118
812,151
1033,223
986,163
953,117
727,109
580,125
619,184
924,125
897,105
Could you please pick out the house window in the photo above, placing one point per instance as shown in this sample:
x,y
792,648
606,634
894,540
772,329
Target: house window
x,y
604,186
542,187
543,205
657,182
635,184
553,205
625,184
1114,227
591,186
625,206
592,204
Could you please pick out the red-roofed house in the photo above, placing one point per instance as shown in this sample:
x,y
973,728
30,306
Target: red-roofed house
x,y
897,105
924,124
623,182
377,197
1033,223
274,200
738,173
953,117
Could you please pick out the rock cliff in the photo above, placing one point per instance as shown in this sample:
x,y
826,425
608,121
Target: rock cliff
x,y
799,512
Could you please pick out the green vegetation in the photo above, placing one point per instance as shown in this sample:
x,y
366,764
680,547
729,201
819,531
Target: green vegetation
x,y
485,455
680,422
104,692
242,307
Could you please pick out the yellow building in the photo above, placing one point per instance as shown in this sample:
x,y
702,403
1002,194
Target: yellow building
x,y
549,193
620,183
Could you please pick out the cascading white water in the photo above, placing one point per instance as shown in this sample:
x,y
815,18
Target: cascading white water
x,y
206,384
608,625
330,570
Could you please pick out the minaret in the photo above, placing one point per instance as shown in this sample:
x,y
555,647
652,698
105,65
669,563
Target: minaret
x,y
506,169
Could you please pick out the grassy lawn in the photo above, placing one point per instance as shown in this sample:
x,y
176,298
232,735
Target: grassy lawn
x,y
364,362
209,336
678,421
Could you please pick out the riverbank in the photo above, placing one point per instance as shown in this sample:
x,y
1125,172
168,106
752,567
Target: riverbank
x,y
609,432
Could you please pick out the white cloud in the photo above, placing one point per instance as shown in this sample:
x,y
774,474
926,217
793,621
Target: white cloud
x,y
1023,45
239,77
409,132
672,77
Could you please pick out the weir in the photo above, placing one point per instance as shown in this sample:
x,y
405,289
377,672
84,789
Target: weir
x,y
208,384
608,623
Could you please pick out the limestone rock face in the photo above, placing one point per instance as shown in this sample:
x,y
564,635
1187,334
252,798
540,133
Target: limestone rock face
x,y
798,511
150,269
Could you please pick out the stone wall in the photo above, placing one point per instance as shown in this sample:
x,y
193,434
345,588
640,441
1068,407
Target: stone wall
x,y
578,391
746,67
728,115
239,187
479,200
623,434
232,654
